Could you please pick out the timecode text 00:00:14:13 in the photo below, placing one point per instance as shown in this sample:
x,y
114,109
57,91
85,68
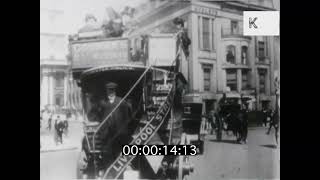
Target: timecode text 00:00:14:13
x,y
158,150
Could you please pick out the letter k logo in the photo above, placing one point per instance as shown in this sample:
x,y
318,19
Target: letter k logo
x,y
252,22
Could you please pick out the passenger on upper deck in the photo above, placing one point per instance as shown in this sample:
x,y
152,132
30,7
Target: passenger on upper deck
x,y
182,36
112,23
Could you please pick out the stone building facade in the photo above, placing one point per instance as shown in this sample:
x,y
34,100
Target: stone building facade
x,y
54,66
222,60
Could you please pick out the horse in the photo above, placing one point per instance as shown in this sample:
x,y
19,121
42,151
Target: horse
x,y
237,122
231,124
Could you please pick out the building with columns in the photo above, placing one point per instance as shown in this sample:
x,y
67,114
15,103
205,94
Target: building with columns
x,y
222,60
54,66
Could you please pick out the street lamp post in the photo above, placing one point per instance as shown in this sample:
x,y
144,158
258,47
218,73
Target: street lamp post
x,y
277,92
277,88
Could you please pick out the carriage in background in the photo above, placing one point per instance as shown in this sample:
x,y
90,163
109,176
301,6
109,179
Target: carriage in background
x,y
233,116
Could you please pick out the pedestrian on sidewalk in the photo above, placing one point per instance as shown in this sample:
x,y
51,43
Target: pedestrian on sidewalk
x,y
66,127
265,117
55,132
49,122
59,128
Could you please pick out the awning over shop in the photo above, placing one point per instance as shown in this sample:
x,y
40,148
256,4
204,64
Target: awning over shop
x,y
209,96
248,97
233,95
265,98
192,98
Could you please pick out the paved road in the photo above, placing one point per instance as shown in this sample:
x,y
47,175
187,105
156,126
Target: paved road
x,y
259,159
221,160
60,164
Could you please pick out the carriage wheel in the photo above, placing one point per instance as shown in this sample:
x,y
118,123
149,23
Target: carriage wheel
x,y
182,176
182,160
80,166
79,173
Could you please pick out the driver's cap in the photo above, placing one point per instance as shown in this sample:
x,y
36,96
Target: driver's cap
x,y
111,85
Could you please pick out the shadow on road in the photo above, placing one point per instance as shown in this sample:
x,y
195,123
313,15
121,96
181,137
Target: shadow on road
x,y
225,141
269,146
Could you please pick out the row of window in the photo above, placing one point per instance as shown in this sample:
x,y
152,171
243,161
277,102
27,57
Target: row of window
x,y
232,80
206,33
231,54
206,40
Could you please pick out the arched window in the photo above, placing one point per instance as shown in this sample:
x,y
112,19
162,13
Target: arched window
x,y
244,55
231,54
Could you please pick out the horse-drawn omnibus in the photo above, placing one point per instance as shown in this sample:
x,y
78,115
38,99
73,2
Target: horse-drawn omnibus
x,y
149,97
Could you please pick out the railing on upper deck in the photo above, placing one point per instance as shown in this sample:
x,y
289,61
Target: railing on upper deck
x,y
104,51
155,50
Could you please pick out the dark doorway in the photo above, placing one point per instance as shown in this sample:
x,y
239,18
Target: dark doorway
x,y
210,105
265,104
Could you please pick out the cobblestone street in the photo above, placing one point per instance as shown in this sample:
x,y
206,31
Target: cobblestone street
x,y
259,159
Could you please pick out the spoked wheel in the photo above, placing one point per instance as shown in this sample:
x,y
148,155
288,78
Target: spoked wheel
x,y
184,165
80,166
183,170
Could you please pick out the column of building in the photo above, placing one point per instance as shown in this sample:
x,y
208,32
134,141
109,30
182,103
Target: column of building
x,y
220,49
44,88
51,89
65,89
193,73
272,74
239,74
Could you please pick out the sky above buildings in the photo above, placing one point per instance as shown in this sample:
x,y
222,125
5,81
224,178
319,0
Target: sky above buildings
x,y
74,11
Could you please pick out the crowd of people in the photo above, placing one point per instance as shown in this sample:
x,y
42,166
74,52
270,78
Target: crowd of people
x,y
55,124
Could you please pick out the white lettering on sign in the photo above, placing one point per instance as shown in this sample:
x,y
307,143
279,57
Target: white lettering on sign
x,y
89,54
163,87
205,10
143,137
149,130
120,163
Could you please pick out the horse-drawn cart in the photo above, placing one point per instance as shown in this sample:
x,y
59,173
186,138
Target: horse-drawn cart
x,y
152,99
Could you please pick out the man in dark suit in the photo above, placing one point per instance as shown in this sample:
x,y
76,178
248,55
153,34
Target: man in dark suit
x,y
114,131
59,127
